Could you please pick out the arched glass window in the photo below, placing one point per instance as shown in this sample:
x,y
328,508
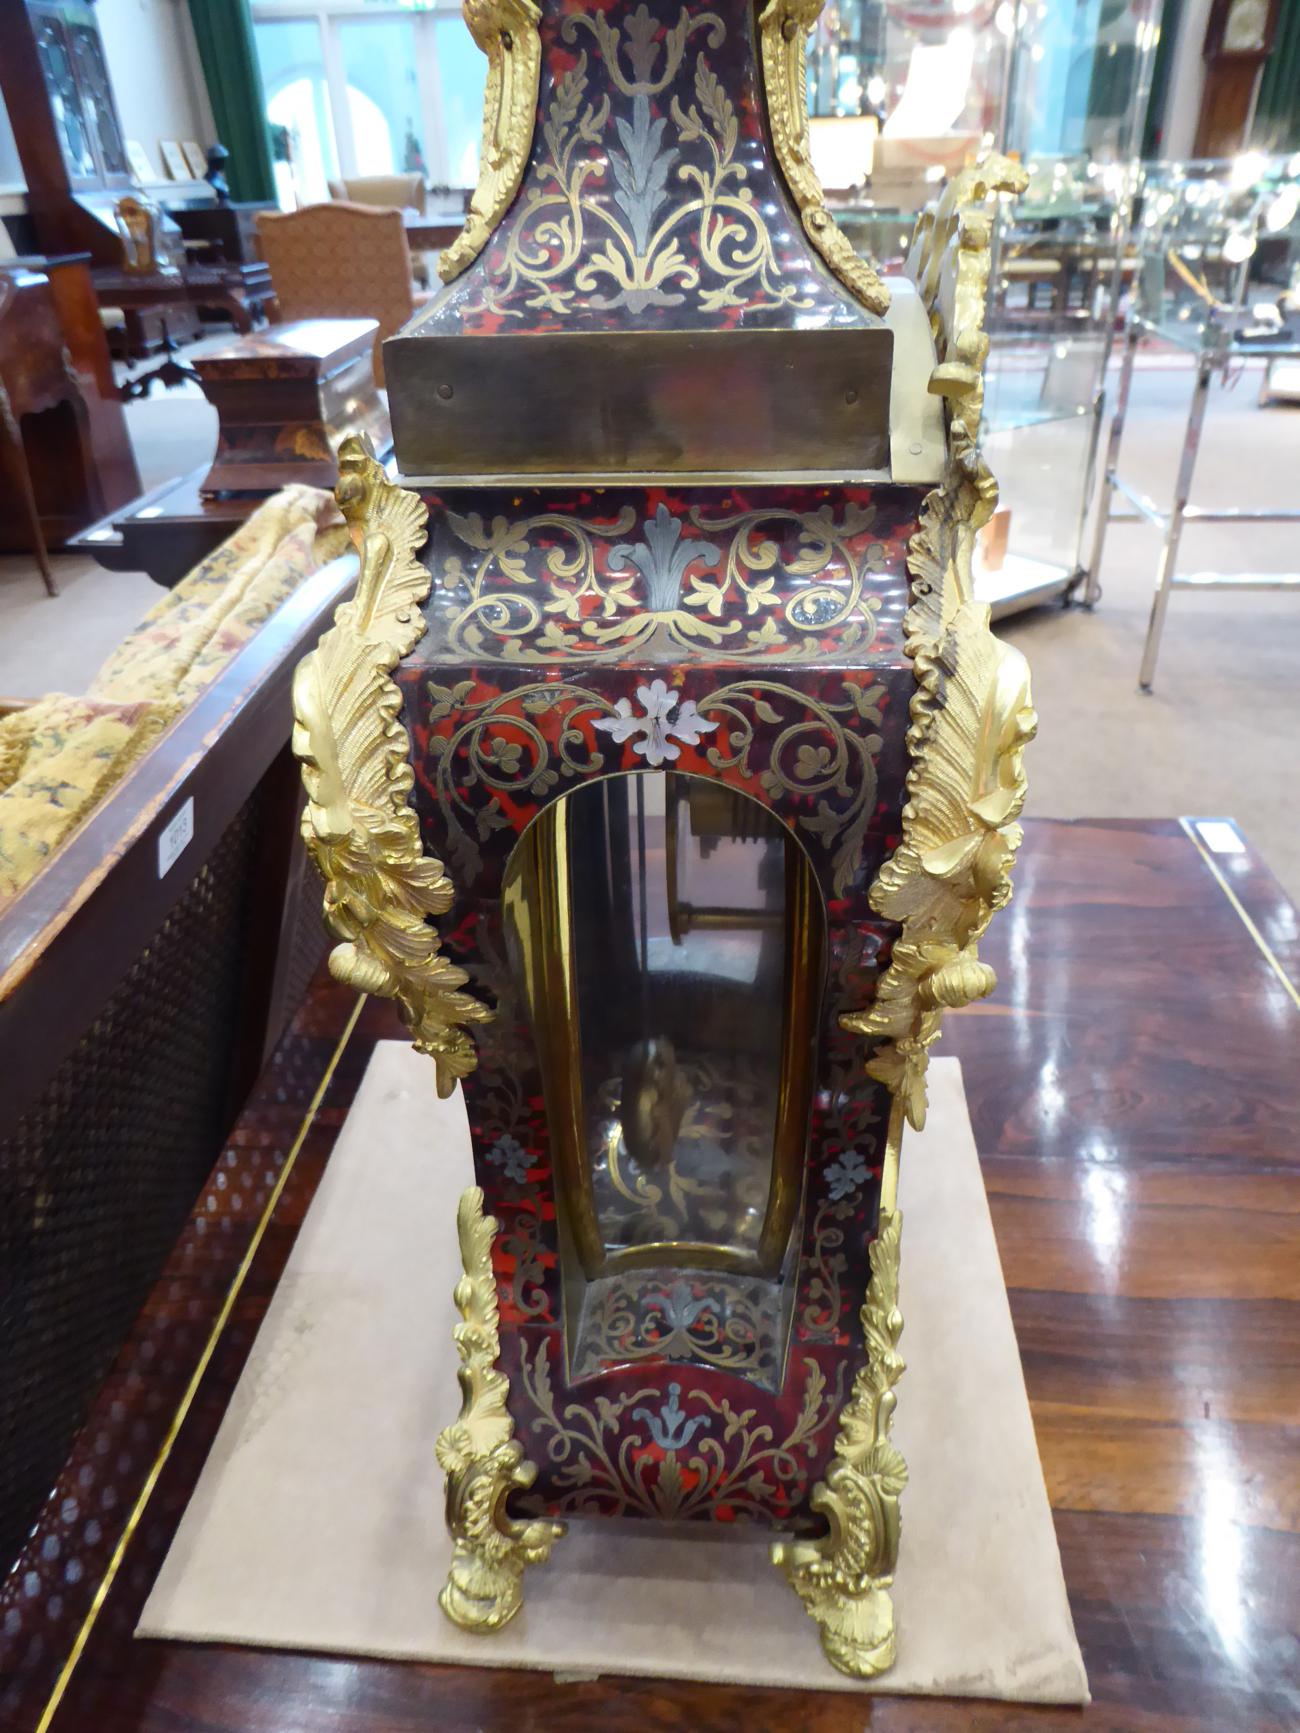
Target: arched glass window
x,y
669,935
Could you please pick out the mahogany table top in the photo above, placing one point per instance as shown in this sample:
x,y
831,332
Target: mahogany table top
x,y
1135,1096
430,230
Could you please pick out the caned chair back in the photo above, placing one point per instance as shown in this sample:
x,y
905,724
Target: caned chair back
x,y
340,261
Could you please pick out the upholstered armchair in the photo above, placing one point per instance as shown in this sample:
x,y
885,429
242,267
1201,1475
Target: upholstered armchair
x,y
338,261
391,192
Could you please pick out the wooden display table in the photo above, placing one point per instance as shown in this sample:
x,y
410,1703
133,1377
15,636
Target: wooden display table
x,y
242,292
1134,1097
167,531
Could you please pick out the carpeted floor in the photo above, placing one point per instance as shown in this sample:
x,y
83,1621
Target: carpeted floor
x,y
1220,734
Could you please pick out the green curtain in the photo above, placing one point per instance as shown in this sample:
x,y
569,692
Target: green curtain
x,y
1277,114
224,32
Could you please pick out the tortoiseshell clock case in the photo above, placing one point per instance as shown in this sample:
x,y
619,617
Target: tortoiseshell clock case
x,y
800,705
610,776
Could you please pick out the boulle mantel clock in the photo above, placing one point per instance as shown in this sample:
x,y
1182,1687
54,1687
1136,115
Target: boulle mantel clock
x,y
666,773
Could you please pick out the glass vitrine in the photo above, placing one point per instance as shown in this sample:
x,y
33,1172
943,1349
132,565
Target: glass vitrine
x,y
1077,86
1219,278
1065,90
1219,246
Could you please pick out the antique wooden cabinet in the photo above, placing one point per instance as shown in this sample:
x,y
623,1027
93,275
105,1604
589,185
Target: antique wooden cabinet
x,y
666,774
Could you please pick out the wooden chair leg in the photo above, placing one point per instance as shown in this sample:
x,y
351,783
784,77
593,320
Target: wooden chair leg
x,y
15,457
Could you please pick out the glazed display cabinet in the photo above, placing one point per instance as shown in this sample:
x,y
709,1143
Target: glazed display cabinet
x,y
1064,90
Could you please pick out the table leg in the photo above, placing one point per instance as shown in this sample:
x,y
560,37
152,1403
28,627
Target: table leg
x,y
14,458
1092,583
1174,528
1085,498
240,316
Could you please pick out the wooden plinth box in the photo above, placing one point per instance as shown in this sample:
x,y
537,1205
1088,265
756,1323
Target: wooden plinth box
x,y
285,398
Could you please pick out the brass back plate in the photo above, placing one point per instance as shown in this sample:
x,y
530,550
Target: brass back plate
x,y
586,403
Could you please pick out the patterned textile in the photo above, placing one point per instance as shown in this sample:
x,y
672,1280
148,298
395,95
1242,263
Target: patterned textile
x,y
60,756
341,261
189,636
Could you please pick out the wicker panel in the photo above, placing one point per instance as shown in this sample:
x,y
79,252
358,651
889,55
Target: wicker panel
x,y
97,1177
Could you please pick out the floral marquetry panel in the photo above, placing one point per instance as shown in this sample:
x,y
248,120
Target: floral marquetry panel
x,y
649,199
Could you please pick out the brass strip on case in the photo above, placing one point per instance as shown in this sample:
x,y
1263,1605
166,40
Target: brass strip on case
x,y
676,401
541,884
191,1389
805,972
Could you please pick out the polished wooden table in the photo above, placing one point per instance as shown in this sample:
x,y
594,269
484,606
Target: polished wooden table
x,y
430,231
166,531
1135,1093
242,292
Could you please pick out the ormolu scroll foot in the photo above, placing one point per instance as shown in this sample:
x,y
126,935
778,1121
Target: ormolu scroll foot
x,y
483,1461
843,1577
856,1625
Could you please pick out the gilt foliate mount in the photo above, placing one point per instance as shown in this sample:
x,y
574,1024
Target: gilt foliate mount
x,y
382,892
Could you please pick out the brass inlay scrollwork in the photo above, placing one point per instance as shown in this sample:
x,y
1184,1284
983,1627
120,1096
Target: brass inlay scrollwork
x,y
783,27
814,756
714,1318
569,249
480,1455
536,590
507,32
843,1578
381,890
635,1453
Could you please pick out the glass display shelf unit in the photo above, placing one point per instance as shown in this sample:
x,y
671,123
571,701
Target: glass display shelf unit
x,y
1061,265
1218,277
1065,90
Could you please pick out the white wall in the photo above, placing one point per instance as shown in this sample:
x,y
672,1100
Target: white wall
x,y
154,65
